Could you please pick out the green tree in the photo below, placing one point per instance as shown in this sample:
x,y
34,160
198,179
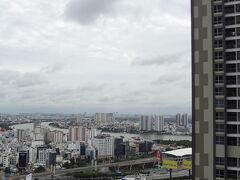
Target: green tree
x,y
7,170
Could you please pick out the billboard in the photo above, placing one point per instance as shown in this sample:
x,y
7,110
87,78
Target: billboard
x,y
187,164
169,164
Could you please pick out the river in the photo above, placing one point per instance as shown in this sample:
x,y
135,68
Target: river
x,y
148,137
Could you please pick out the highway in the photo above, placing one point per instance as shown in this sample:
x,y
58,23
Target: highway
x,y
116,164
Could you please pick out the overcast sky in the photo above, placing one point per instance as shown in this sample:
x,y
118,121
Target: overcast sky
x,y
128,56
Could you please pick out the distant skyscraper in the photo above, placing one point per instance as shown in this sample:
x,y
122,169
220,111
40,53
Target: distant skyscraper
x,y
77,133
182,120
216,89
104,117
20,134
151,123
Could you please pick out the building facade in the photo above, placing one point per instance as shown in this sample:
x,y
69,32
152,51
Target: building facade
x,y
104,145
216,89
77,133
182,120
151,123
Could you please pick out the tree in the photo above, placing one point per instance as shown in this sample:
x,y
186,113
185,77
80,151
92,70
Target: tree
x,y
39,169
7,170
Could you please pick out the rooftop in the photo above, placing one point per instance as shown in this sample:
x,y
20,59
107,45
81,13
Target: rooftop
x,y
180,152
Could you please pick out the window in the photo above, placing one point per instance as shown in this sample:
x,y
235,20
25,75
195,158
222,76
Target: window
x,y
231,68
230,56
231,80
238,55
231,116
232,174
237,19
237,7
231,129
230,44
232,162
219,127
219,115
231,104
218,20
232,141
229,9
218,43
219,173
230,32
217,8
228,20
219,91
219,103
231,92
218,55
218,32
219,140
219,67
219,79
219,160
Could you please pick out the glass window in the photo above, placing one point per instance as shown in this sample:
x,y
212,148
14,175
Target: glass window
x,y
219,91
232,161
231,116
232,141
219,160
230,56
220,173
228,9
219,103
219,79
231,68
231,104
218,43
232,174
218,20
231,129
219,140
218,55
231,80
220,128
219,115
231,92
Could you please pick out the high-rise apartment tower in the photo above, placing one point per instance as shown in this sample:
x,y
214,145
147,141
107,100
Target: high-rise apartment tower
x,y
216,89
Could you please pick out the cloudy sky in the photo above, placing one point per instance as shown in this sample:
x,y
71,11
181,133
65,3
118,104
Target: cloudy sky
x,y
129,56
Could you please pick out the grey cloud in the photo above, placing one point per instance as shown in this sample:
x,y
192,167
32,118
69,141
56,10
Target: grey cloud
x,y
160,60
29,80
167,79
52,69
87,11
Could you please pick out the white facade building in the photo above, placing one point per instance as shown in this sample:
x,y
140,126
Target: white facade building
x,y
105,146
104,117
182,120
77,133
151,123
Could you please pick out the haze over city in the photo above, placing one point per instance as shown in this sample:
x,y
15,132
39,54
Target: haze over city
x,y
80,55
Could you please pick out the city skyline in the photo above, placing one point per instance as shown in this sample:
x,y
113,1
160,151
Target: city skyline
x,y
84,56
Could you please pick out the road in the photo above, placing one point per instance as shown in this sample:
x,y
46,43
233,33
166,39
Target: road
x,y
116,164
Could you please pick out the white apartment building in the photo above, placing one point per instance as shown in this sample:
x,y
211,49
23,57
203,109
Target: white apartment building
x,y
151,123
77,133
104,117
43,155
182,120
105,146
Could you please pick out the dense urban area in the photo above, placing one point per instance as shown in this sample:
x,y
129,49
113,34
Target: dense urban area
x,y
98,145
